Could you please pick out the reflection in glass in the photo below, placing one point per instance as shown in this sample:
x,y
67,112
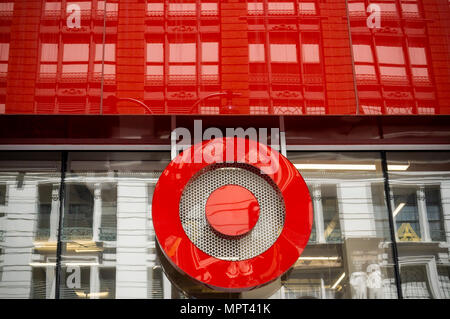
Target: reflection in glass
x,y
108,238
420,194
349,254
29,210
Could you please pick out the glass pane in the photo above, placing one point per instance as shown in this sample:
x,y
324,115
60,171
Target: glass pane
x,y
155,52
390,54
417,56
182,52
108,237
349,254
210,52
29,214
420,192
283,52
49,52
256,52
362,53
310,53
76,52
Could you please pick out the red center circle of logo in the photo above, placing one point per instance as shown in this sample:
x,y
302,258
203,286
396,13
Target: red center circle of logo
x,y
231,275
232,210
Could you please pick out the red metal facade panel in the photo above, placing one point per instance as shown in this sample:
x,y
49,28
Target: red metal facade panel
x,y
258,57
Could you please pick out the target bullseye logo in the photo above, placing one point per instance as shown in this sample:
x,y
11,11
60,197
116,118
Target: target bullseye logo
x,y
232,225
232,210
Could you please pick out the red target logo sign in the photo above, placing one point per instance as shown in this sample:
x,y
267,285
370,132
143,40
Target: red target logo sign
x,y
232,225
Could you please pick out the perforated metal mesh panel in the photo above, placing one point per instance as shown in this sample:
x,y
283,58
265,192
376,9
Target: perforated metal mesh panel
x,y
252,244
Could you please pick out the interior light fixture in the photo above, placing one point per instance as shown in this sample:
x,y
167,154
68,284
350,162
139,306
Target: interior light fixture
x,y
398,167
45,264
319,258
81,264
92,294
93,250
398,209
333,167
347,167
338,281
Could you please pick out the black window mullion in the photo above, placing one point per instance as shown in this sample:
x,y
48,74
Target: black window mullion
x,y
62,206
387,192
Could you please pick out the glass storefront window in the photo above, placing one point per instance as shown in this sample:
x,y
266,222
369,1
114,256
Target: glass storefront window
x,y
349,254
108,240
29,215
420,192
109,248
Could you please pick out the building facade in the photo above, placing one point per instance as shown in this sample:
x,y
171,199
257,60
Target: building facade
x,y
91,91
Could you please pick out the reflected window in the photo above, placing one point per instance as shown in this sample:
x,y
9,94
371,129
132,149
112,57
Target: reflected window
x,y
45,209
210,62
307,8
110,8
390,54
256,52
49,60
356,8
364,64
362,53
388,9
155,283
107,276
419,64
108,224
76,282
434,212
155,9
280,7
410,10
6,8
444,280
418,213
181,70
85,6
79,216
380,211
182,52
4,57
406,213
210,52
255,8
415,283
105,61
210,71
310,53
3,189
52,7
330,209
155,52
75,61
283,53
182,9
39,283
209,8
182,58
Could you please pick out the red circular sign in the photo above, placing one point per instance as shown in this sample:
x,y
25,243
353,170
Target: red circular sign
x,y
232,210
231,275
